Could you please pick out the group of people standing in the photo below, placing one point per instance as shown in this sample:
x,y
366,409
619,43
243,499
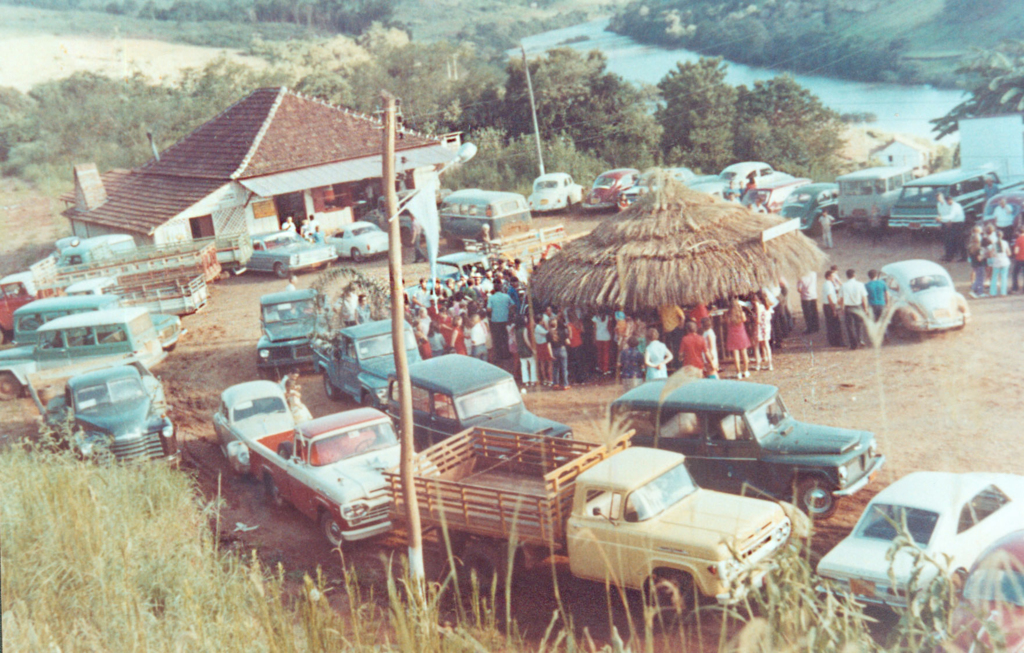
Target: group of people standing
x,y
846,304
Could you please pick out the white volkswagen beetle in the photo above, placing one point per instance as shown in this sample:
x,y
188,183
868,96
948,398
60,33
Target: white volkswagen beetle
x,y
948,515
554,191
925,296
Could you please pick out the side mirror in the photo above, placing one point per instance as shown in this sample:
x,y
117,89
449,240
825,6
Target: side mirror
x,y
596,511
285,450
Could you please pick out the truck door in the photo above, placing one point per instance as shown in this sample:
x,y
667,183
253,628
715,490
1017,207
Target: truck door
x,y
297,487
683,431
51,351
732,454
443,420
346,367
592,536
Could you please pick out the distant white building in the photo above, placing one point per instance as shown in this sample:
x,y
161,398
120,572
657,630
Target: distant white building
x,y
903,153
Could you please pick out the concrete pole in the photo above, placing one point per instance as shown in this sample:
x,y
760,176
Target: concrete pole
x,y
533,110
405,423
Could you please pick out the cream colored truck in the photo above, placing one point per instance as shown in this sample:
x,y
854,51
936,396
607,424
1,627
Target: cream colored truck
x,y
630,516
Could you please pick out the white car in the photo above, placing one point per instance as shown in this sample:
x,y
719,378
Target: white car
x,y
247,412
554,191
954,515
764,175
358,241
927,300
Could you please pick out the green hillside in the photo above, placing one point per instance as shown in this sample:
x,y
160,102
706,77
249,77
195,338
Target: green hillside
x,y
872,40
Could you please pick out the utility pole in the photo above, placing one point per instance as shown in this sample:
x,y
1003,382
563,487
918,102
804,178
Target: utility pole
x,y
412,511
533,109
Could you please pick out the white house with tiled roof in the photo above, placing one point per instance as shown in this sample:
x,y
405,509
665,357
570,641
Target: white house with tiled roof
x,y
903,153
274,154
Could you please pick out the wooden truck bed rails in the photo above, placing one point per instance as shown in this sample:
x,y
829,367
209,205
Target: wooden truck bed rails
x,y
531,244
151,290
500,484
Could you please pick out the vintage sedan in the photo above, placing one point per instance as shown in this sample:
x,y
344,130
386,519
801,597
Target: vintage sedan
x,y
119,411
643,186
927,300
608,186
809,203
247,412
358,241
284,253
739,437
554,191
954,516
763,174
992,601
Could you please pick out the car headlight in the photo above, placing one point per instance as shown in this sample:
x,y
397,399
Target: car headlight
x,y
355,509
873,448
264,353
168,430
842,473
726,569
293,259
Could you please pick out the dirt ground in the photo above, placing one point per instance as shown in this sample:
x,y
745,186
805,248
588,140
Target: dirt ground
x,y
946,402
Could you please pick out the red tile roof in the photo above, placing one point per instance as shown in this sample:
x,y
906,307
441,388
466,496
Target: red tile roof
x,y
274,130
140,202
271,130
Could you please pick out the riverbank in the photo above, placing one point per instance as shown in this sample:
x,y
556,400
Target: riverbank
x,y
901,41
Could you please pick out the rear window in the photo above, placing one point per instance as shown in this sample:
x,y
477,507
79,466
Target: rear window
x,y
604,181
884,520
921,195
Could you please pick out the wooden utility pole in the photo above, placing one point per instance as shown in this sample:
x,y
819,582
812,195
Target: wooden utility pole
x,y
533,109
412,511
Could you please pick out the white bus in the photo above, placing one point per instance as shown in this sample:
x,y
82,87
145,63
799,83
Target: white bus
x,y
871,192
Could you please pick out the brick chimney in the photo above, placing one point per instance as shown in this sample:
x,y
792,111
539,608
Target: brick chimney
x,y
89,190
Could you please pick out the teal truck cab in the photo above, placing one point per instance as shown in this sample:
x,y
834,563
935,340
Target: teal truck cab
x,y
287,323
29,318
453,393
739,437
359,360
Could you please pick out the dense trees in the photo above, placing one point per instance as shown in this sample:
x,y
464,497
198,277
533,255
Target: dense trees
x,y
996,80
708,123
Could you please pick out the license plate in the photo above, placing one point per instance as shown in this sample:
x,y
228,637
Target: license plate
x,y
941,313
862,587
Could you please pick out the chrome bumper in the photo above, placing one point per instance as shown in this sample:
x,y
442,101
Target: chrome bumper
x,y
864,480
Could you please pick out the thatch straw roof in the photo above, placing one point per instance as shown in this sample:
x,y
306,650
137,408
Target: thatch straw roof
x,y
673,246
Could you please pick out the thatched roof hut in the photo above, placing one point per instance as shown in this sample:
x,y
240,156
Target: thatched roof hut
x,y
673,246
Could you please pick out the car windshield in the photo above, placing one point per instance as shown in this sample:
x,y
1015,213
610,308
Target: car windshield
x,y
797,199
501,395
920,195
1003,583
12,289
289,311
258,407
863,187
605,181
729,175
882,521
283,240
377,346
659,495
767,416
353,442
929,281
362,231
542,185
95,397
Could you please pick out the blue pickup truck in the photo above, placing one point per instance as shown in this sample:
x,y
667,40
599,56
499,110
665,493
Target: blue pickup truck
x,y
287,323
358,361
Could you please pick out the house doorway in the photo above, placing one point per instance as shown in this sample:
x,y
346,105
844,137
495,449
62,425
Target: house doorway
x,y
202,227
290,205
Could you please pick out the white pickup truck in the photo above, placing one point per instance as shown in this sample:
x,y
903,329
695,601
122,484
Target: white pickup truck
x,y
331,470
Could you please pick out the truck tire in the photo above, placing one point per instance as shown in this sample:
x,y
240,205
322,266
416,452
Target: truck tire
x,y
489,561
814,497
10,387
331,529
366,399
357,255
271,491
329,389
280,271
670,592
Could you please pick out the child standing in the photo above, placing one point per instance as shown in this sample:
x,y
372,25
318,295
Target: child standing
x,y
711,341
631,362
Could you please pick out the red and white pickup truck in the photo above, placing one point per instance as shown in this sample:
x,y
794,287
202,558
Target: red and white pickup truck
x,y
331,469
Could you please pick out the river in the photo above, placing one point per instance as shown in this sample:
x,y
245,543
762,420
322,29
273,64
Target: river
x,y
899,108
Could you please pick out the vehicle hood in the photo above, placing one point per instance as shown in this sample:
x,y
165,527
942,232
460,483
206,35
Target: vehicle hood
x,y
291,330
864,558
711,519
522,421
260,426
125,418
814,439
360,476
381,366
17,353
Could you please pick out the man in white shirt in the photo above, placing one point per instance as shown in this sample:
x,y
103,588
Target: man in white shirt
x,y
958,229
1003,214
807,286
853,294
833,323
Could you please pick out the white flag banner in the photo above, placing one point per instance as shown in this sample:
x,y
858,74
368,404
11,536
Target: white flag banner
x,y
423,207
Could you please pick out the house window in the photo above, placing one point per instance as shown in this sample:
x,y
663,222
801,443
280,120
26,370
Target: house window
x,y
202,227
